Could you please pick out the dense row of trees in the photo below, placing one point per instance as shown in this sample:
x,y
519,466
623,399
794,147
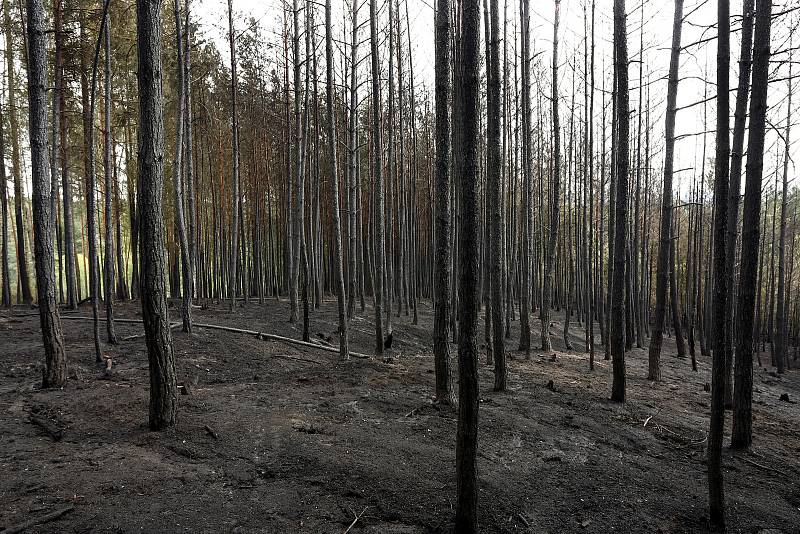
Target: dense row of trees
x,y
521,184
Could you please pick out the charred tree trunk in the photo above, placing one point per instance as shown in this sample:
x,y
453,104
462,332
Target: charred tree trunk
x,y
177,178
344,353
555,190
495,203
737,149
235,200
468,283
55,370
108,174
441,351
377,151
5,272
617,332
163,385
16,159
716,498
663,269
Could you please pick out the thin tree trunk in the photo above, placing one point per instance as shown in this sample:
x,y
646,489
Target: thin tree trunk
x,y
527,178
781,317
5,273
555,191
88,128
663,268
617,334
496,202
108,174
344,353
716,498
737,148
177,177
235,200
16,160
377,149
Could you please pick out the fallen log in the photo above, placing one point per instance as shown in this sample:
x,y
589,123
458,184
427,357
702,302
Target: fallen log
x,y
275,337
254,333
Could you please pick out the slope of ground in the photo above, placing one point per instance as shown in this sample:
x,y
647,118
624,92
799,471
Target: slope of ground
x,y
279,438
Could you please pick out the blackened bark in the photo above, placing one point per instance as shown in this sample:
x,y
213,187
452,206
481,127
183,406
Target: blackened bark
x,y
55,370
441,351
235,201
734,192
741,437
163,385
334,177
468,283
6,288
716,495
617,333
16,158
663,270
527,178
352,150
555,191
177,178
377,152
107,162
495,203
781,318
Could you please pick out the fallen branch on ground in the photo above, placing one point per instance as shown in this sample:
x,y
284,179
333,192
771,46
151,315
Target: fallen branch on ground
x,y
259,335
355,520
765,467
275,337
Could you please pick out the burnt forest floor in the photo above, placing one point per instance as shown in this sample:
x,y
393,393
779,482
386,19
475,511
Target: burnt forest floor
x,y
279,438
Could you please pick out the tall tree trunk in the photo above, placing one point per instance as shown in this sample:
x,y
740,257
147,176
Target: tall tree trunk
x,y
6,216
189,143
108,160
55,370
235,202
734,193
617,334
16,159
163,383
555,191
663,268
495,203
377,150
352,152
468,288
716,498
781,317
334,178
441,319
177,178
90,102
295,221
58,153
527,178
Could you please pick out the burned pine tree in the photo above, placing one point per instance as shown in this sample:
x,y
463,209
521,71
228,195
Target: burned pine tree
x,y
161,358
